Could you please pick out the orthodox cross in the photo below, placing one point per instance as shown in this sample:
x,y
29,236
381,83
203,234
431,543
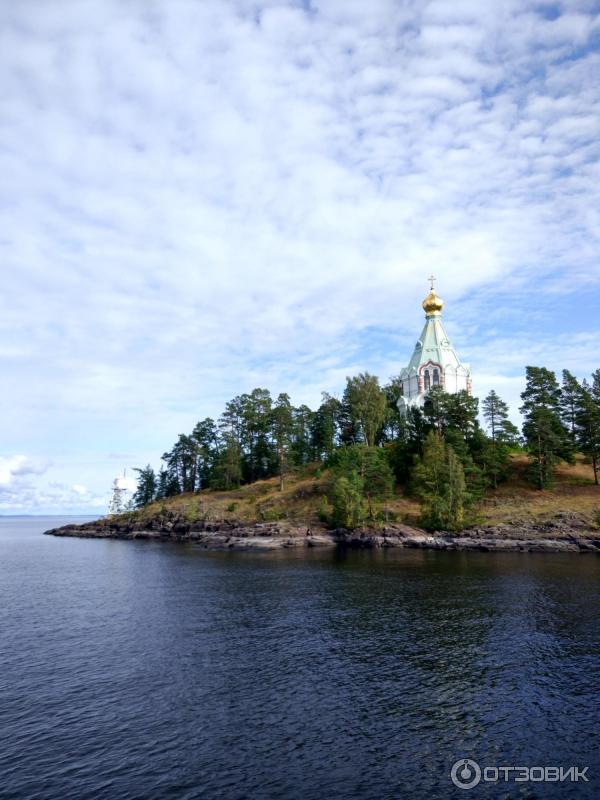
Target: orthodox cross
x,y
432,281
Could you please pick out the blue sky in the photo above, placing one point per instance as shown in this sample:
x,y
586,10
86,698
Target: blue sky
x,y
198,198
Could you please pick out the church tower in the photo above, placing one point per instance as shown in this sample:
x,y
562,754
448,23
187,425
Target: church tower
x,y
434,361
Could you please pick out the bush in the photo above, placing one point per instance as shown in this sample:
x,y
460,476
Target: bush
x,y
368,478
271,513
349,507
191,514
325,511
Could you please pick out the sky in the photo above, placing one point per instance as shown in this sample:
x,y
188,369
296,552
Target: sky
x,y
199,198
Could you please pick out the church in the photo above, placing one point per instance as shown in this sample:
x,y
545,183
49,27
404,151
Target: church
x,y
434,361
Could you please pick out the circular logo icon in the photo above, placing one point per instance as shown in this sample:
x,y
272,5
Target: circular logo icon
x,y
465,773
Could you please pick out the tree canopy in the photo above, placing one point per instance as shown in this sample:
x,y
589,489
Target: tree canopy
x,y
440,451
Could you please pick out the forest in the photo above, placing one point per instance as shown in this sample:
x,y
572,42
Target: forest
x,y
447,454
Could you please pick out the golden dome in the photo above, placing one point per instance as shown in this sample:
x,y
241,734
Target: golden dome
x,y
432,303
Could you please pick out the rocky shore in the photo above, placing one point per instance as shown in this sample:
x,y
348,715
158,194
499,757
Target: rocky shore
x,y
564,533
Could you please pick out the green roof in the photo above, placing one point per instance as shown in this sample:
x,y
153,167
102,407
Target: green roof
x,y
434,346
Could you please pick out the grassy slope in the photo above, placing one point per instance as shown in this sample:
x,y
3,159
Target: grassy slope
x,y
514,501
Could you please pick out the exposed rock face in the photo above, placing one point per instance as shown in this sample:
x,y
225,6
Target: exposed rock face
x,y
531,538
211,535
564,533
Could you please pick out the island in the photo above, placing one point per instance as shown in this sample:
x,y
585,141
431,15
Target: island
x,y
408,464
260,516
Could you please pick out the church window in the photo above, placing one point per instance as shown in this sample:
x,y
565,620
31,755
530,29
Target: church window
x,y
427,380
436,377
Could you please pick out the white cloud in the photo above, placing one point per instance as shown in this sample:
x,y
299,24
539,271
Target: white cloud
x,y
199,197
22,490
14,469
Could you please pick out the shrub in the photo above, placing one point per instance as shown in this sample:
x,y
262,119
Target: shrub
x,y
325,511
349,507
367,478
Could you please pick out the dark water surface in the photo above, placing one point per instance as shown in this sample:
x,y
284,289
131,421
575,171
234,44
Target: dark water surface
x,y
148,670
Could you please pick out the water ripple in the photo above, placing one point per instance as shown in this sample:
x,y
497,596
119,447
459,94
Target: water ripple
x,y
140,670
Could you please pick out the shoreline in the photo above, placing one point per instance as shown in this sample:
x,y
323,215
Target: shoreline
x,y
564,534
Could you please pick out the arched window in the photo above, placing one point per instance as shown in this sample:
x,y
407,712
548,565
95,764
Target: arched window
x,y
427,380
436,377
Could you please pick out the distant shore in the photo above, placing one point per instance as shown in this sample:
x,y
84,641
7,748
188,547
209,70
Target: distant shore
x,y
566,533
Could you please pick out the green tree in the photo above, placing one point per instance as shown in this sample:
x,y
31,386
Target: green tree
x,y
378,478
587,423
367,405
324,427
257,453
394,420
443,412
462,411
348,501
301,447
145,492
547,439
182,463
167,485
569,397
502,434
282,429
228,462
372,466
205,435
436,410
438,481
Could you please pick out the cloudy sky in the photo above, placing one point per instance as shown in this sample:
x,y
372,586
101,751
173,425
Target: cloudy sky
x,y
198,198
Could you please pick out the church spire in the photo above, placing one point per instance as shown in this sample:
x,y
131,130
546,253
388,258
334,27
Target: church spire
x,y
432,305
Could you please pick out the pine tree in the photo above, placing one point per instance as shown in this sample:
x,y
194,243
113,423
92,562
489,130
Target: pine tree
x,y
257,453
436,410
377,475
167,484
228,463
367,405
324,427
587,424
205,435
502,432
182,464
547,439
147,486
462,412
372,467
569,397
456,492
438,481
282,431
301,447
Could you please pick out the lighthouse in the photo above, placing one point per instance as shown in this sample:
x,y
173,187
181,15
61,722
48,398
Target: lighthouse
x,y
434,361
122,492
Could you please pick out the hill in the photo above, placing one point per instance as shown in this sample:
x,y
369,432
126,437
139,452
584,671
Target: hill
x,y
260,516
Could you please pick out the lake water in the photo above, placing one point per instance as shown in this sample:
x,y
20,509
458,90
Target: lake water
x,y
148,670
